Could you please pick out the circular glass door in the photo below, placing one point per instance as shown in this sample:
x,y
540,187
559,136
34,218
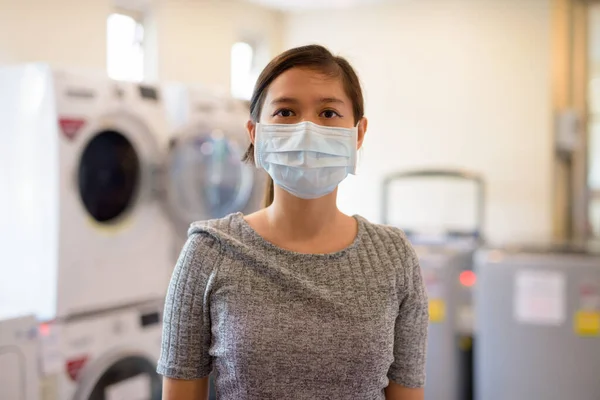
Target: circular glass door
x,y
207,177
130,377
109,176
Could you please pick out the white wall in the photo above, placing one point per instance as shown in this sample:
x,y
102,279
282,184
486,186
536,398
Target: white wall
x,y
61,32
457,83
188,41
195,38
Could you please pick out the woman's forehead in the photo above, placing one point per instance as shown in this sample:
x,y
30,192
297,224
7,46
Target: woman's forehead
x,y
303,84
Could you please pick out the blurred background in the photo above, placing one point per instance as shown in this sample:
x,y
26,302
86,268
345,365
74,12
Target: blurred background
x,y
122,121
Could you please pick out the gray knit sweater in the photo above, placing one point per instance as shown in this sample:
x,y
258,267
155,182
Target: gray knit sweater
x,y
276,324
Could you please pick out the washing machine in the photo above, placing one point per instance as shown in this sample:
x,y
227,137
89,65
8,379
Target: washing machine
x,y
19,378
446,261
107,355
187,102
537,318
206,176
80,166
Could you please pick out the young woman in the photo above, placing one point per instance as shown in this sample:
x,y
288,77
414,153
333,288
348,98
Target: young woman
x,y
298,300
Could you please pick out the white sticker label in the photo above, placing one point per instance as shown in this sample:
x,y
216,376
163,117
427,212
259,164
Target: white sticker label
x,y
540,297
136,388
465,319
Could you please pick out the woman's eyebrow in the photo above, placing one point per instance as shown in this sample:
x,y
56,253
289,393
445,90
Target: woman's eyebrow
x,y
286,100
331,100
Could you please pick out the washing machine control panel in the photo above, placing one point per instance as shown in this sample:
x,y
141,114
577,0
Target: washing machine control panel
x,y
150,319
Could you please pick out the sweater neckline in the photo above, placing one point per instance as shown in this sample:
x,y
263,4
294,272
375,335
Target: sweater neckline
x,y
247,229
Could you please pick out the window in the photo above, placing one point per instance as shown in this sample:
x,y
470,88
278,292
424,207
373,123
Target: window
x,y
125,48
243,70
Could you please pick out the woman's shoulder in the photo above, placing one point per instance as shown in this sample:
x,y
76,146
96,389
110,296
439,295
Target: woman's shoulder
x,y
216,233
215,227
392,240
202,253
227,228
391,246
202,250
388,234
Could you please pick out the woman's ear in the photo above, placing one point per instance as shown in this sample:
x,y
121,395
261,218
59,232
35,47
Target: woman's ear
x,y
251,128
362,130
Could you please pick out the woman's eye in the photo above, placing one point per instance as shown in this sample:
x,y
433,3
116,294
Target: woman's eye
x,y
328,114
286,113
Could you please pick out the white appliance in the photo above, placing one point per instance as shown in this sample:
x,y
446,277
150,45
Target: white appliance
x,y
19,378
209,138
105,356
185,103
83,226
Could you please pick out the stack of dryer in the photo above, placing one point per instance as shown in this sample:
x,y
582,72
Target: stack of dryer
x,y
83,241
96,184
446,261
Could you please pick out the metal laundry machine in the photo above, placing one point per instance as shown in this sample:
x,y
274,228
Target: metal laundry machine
x,y
109,354
78,177
446,262
538,323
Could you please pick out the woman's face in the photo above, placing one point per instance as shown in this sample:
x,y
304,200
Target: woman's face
x,y
302,94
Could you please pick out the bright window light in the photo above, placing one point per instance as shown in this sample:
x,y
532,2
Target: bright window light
x,y
125,48
243,75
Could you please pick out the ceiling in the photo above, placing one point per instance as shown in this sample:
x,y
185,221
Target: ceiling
x,y
297,5
283,5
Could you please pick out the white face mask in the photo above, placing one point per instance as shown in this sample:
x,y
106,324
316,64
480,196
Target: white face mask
x,y
306,159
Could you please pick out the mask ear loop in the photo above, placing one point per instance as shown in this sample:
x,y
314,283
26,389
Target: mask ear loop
x,y
359,159
354,157
257,141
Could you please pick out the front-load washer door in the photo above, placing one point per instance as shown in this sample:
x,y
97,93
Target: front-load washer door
x,y
109,176
129,378
207,178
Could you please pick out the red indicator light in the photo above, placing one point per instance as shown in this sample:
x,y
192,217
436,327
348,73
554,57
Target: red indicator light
x,y
44,329
468,278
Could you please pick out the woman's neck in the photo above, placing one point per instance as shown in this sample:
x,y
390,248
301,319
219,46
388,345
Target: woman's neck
x,y
299,218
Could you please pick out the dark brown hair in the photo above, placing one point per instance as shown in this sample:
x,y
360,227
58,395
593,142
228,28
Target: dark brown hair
x,y
314,57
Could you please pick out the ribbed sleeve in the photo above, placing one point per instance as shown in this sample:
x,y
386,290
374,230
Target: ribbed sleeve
x,y
187,325
410,331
